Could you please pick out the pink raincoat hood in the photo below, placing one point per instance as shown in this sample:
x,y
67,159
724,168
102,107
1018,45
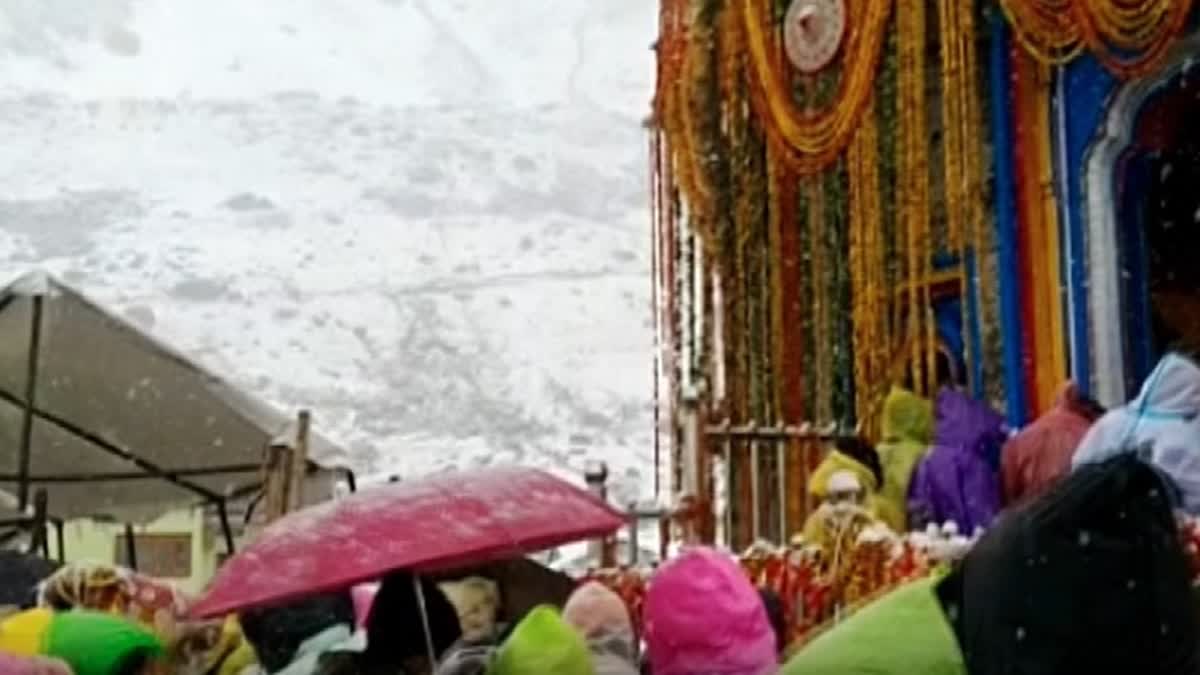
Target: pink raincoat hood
x,y
602,618
702,615
32,665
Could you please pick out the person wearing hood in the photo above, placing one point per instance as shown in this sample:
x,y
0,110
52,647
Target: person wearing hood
x,y
602,618
292,638
1162,423
906,430
702,615
959,481
847,478
543,643
1040,454
396,637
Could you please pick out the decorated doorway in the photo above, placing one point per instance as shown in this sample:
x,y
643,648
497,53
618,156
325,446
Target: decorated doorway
x,y
1144,226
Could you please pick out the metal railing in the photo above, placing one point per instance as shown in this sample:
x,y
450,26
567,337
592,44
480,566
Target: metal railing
x,y
761,478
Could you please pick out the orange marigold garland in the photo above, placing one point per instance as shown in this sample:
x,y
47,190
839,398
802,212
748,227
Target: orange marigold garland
x,y
1045,28
1112,29
914,177
814,139
1130,37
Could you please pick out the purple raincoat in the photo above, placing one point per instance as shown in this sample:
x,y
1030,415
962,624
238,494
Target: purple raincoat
x,y
959,480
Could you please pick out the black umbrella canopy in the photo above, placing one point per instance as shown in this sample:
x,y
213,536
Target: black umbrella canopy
x,y
523,584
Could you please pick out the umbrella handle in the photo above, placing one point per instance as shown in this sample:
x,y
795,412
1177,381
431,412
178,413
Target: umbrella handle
x,y
419,589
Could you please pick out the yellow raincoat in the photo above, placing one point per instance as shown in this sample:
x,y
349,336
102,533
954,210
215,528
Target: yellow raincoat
x,y
837,461
907,430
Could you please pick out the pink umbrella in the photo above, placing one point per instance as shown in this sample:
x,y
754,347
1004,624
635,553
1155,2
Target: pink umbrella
x,y
440,523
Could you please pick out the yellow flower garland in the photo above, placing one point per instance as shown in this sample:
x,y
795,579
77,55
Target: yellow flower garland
x,y
868,310
818,253
914,177
962,136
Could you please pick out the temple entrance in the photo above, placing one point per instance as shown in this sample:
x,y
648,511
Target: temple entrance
x,y
1141,197
1158,227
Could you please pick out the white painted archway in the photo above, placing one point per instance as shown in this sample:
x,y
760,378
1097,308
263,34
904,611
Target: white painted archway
x,y
1100,208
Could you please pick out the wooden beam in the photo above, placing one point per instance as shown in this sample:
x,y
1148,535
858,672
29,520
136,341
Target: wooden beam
x,y
299,461
277,472
25,458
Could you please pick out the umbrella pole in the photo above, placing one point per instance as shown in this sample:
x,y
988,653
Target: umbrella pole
x,y
420,591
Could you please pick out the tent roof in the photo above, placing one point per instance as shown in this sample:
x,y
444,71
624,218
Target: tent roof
x,y
119,422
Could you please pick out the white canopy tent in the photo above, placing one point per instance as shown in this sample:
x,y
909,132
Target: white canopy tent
x,y
110,422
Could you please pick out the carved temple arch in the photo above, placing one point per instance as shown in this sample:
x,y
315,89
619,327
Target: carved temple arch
x,y
1114,136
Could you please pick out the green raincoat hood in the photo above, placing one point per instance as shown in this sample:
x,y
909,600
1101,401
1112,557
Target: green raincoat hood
x,y
907,633
906,417
543,643
94,643
907,427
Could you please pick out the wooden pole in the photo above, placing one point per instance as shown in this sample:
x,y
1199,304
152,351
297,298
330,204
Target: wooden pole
x,y
596,477
38,541
130,548
277,471
25,456
299,472
60,539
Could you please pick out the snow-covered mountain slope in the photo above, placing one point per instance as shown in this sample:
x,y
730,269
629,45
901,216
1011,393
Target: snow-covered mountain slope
x,y
425,220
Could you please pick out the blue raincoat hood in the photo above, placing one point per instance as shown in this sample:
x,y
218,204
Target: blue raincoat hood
x,y
1163,423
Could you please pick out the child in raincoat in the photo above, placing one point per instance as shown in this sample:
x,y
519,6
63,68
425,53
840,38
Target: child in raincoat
x,y
702,615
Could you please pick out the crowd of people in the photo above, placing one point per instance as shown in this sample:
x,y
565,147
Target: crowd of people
x,y
1077,566
702,614
1079,561
953,461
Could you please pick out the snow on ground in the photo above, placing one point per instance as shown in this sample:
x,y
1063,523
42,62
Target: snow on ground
x,y
427,221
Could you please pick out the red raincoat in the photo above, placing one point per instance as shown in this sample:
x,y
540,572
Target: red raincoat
x,y
1041,453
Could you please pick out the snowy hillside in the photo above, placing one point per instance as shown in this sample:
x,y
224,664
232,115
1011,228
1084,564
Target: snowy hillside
x,y
425,220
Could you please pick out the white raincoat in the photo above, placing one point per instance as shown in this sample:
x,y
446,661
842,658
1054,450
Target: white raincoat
x,y
1163,421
